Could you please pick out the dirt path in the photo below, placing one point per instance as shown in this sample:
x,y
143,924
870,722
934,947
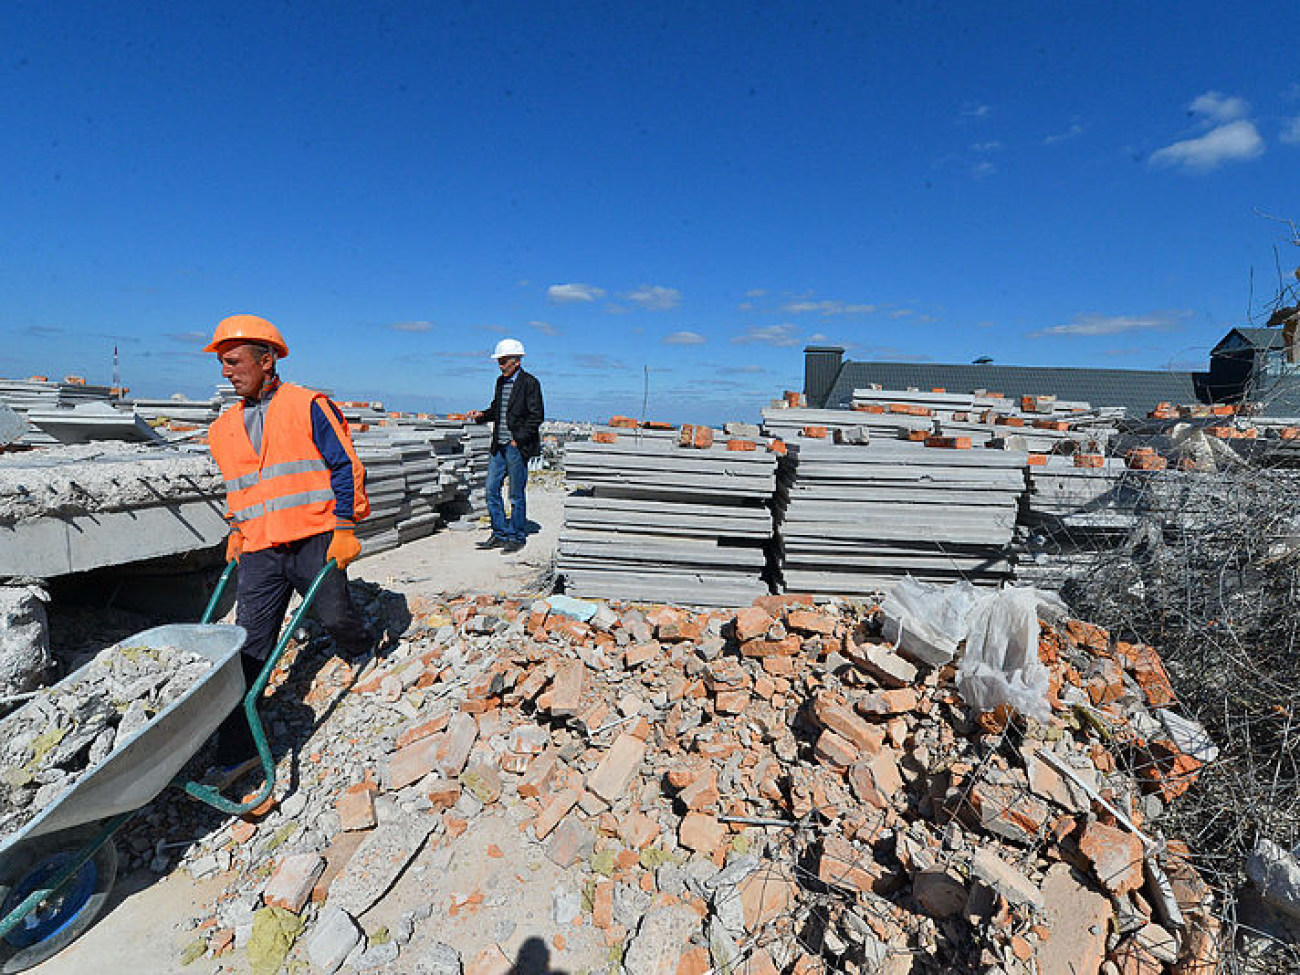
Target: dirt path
x,y
147,923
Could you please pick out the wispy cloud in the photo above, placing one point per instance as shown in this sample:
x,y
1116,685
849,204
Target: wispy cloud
x,y
750,370
684,338
982,169
563,294
755,292
902,313
827,307
546,328
993,145
781,336
1073,132
188,338
44,330
411,326
975,111
1291,132
890,353
595,360
655,297
1229,136
1113,324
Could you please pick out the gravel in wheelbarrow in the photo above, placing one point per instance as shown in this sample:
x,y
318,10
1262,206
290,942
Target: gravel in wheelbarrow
x,y
55,737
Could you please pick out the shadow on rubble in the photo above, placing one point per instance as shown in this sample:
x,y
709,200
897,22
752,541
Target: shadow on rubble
x,y
534,958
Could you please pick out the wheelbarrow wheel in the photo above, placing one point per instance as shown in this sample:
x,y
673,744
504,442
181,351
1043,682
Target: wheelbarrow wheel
x,y
66,914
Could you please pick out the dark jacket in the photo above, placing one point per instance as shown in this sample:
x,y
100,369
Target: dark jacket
x,y
524,413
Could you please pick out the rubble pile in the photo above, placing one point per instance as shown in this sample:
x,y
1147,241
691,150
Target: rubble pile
x,y
64,730
1210,576
775,789
687,520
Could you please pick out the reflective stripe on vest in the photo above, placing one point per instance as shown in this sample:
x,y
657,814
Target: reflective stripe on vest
x,y
276,470
283,492
282,504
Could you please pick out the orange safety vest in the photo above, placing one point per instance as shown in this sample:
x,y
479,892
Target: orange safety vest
x,y
282,494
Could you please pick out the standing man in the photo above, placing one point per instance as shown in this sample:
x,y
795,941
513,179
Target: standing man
x,y
516,416
295,491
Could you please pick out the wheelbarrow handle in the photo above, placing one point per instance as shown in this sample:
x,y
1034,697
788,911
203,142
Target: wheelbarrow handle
x,y
218,592
210,795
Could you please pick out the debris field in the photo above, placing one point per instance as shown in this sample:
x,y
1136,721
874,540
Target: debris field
x,y
774,789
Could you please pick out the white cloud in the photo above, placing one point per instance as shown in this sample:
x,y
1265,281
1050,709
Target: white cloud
x,y
901,313
1113,324
826,307
991,146
755,292
411,326
1073,132
655,297
684,338
1218,109
741,370
982,169
976,111
1291,132
562,294
781,336
1234,142
546,328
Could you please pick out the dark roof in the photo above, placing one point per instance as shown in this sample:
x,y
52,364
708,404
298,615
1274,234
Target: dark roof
x,y
1138,390
1258,338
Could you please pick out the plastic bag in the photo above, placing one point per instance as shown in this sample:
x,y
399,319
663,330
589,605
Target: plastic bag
x,y
926,621
1001,664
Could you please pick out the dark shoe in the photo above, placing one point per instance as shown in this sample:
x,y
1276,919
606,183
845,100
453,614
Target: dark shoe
x,y
512,546
492,542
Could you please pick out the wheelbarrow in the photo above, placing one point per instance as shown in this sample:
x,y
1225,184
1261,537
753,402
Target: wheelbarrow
x,y
56,872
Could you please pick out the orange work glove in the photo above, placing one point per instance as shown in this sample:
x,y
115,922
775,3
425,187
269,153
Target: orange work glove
x,y
234,545
344,547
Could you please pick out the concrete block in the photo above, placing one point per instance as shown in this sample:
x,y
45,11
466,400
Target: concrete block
x,y
332,938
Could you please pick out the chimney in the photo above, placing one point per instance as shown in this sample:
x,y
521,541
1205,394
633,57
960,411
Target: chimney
x,y
821,367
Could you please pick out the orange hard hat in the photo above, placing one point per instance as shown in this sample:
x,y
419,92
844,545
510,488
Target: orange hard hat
x,y
248,328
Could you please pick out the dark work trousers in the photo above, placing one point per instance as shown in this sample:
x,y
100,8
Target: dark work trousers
x,y
267,581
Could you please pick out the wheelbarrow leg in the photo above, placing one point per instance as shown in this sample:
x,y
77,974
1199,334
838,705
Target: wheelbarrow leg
x,y
212,796
52,889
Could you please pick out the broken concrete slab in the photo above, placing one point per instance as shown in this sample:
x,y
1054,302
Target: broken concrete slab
x,y
378,862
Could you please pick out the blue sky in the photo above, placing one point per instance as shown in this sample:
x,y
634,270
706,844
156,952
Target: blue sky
x,y
696,190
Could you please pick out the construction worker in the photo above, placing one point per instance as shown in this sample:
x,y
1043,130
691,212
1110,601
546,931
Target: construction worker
x,y
295,492
516,415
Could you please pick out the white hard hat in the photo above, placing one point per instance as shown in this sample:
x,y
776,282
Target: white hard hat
x,y
508,347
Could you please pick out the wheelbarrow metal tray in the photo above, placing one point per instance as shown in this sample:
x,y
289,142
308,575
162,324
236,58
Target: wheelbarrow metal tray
x,y
142,766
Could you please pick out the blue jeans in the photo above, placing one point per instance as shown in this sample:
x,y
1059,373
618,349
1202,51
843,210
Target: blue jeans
x,y
508,461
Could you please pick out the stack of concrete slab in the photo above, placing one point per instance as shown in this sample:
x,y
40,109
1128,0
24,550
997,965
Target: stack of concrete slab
x,y
649,520
92,421
45,396
1070,513
789,423
415,469
476,440
76,508
177,409
862,516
